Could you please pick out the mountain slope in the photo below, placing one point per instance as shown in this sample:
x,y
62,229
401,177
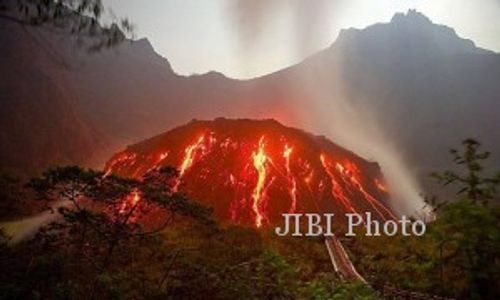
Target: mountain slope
x,y
426,88
409,87
40,117
252,171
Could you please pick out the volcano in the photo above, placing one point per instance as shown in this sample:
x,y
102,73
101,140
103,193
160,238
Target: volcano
x,y
252,171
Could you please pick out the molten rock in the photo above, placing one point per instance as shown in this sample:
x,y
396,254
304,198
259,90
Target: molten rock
x,y
252,171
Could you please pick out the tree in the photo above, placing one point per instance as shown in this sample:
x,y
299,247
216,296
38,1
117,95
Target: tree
x,y
13,197
107,224
473,183
466,230
470,239
80,18
458,255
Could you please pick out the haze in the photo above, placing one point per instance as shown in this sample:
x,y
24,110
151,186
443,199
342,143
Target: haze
x,y
245,39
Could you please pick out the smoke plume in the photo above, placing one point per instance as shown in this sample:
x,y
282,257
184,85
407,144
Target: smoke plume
x,y
308,19
327,110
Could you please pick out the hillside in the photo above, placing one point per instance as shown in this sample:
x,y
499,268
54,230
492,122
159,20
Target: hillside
x,y
251,172
408,87
41,120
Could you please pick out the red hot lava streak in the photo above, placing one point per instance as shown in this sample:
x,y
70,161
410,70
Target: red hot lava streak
x,y
252,171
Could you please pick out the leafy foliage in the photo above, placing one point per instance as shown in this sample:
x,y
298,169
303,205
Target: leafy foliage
x,y
468,237
103,226
80,18
108,245
467,230
473,183
458,256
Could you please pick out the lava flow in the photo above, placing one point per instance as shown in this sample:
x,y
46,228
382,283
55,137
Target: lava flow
x,y
188,159
251,172
291,179
259,162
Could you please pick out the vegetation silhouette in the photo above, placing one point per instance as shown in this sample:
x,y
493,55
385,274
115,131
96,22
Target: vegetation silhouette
x,y
83,19
109,244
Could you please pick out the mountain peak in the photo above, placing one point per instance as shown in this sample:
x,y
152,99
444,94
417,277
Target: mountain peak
x,y
411,29
145,44
411,16
210,74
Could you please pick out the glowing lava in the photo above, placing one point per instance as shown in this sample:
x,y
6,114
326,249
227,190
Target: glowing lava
x,y
259,163
291,180
378,207
337,191
188,160
248,179
129,203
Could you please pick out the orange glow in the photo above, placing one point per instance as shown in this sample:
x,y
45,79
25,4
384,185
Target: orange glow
x,y
188,160
163,155
190,151
337,191
309,177
381,186
259,163
291,180
123,158
348,175
286,154
130,202
251,176
135,198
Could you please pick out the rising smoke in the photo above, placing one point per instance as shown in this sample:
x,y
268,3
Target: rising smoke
x,y
328,111
356,128
308,20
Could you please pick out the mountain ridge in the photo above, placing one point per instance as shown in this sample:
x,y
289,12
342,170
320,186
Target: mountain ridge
x,y
361,86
